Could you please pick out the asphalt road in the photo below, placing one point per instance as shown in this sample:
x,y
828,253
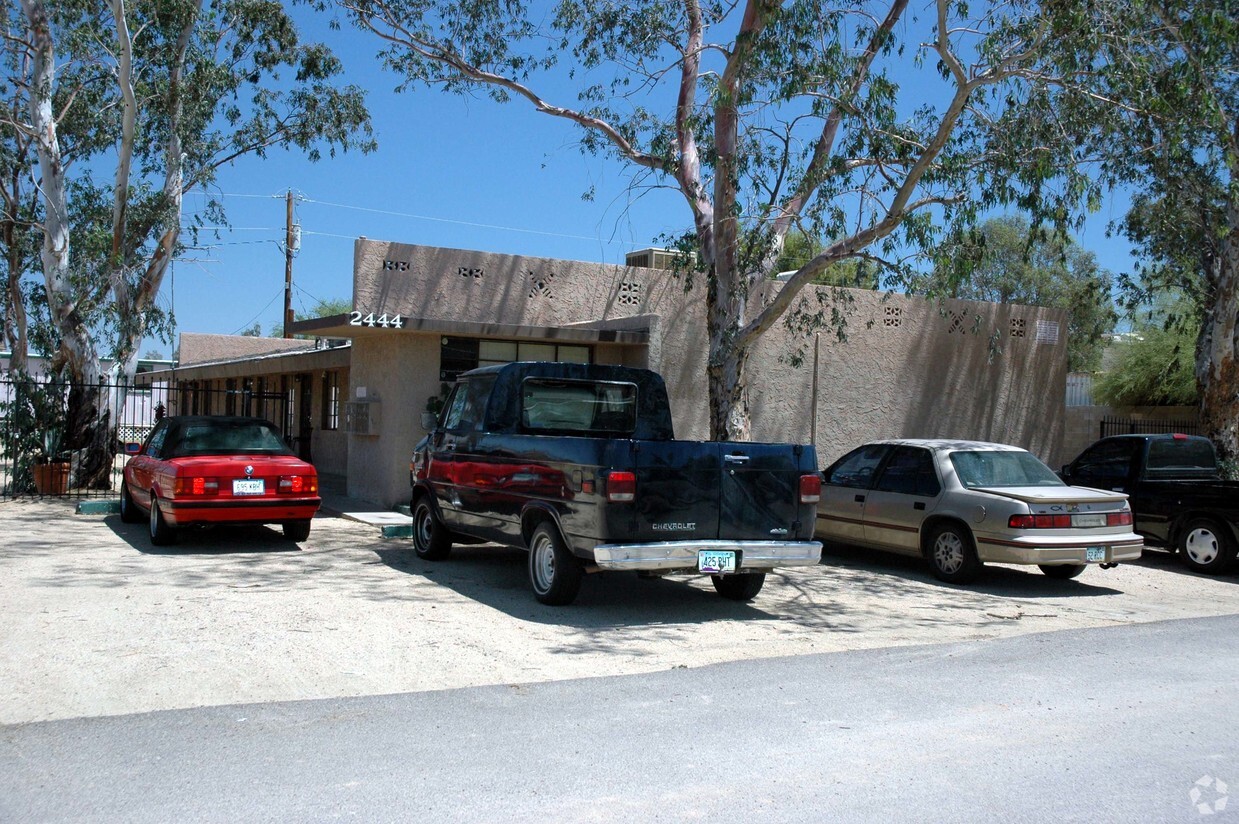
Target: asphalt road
x,y
1108,724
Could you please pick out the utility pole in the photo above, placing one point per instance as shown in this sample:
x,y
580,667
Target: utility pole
x,y
288,268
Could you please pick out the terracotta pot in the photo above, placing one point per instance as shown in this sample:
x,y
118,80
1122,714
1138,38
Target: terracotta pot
x,y
52,478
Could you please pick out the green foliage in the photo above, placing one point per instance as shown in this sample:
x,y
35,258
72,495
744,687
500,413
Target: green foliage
x,y
1157,366
799,249
34,417
1005,260
322,309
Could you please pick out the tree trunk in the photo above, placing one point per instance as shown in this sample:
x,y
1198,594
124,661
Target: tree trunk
x,y
1217,367
727,360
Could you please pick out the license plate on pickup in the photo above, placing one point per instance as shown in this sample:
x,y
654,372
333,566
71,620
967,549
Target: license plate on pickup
x,y
1095,555
716,561
249,486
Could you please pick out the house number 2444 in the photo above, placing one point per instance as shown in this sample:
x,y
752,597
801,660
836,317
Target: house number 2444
x,y
384,320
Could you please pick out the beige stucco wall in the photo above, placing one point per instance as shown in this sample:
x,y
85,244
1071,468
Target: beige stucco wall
x,y
909,367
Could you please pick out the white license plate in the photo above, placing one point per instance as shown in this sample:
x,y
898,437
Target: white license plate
x,y
716,561
249,486
1088,520
1095,554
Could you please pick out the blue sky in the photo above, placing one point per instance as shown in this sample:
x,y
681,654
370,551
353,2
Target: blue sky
x,y
449,171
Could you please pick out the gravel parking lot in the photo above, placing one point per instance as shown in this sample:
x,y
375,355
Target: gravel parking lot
x,y
96,621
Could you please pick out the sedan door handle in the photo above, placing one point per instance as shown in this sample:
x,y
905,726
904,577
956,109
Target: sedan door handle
x,y
860,499
919,505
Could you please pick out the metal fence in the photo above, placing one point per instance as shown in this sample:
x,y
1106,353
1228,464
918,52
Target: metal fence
x,y
37,457
1132,426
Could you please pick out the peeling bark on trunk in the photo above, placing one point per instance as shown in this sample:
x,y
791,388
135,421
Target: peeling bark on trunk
x,y
1217,362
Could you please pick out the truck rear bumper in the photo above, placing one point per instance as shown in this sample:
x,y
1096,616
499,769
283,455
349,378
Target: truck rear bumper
x,y
752,556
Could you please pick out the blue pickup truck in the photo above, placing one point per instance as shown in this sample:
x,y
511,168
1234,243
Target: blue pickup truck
x,y
578,464
1176,492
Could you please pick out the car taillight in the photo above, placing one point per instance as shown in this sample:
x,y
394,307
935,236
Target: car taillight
x,y
1118,519
621,487
810,488
196,486
298,484
1039,522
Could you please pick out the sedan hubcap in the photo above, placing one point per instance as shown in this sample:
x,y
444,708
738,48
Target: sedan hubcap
x,y
949,552
1201,546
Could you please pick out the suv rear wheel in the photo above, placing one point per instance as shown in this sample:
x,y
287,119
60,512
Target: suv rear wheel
x,y
554,571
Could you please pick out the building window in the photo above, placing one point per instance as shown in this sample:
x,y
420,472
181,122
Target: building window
x,y
331,401
458,355
230,396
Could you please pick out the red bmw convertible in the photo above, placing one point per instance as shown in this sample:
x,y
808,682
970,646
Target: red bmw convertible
x,y
218,470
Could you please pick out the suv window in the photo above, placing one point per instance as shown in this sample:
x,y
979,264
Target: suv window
x,y
911,472
1106,462
858,466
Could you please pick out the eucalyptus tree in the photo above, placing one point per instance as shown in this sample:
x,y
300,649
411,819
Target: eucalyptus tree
x,y
1156,90
179,88
867,122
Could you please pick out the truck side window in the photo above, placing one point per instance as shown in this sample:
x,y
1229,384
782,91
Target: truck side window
x,y
1108,462
467,406
857,467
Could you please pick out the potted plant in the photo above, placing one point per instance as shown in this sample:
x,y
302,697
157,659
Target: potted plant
x,y
434,405
51,466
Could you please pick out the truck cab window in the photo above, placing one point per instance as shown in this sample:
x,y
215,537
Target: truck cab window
x,y
466,408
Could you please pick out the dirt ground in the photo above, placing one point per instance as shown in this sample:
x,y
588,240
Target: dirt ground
x,y
96,621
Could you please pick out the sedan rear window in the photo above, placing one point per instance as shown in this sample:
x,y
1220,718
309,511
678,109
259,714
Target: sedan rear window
x,y
256,437
995,468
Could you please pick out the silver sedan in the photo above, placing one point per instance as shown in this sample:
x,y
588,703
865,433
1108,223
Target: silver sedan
x,y
960,504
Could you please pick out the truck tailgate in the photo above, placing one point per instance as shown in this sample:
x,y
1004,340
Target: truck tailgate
x,y
688,490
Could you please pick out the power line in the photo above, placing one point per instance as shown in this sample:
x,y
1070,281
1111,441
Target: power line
x,y
408,215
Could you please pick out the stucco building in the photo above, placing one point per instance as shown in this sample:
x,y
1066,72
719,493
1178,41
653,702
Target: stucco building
x,y
909,367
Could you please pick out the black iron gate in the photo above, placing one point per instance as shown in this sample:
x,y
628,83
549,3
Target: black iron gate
x,y
37,459
1132,426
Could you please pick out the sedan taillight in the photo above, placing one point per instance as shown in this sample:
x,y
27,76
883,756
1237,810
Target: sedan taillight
x,y
1119,518
1039,522
196,486
298,484
621,487
810,488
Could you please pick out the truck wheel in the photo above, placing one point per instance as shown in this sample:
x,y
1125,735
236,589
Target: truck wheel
x,y
161,533
431,540
741,587
952,556
1205,546
128,510
553,570
297,531
1063,571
